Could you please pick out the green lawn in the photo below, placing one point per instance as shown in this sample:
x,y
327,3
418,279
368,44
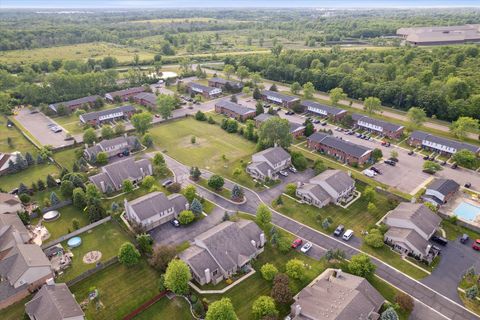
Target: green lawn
x,y
66,158
121,290
224,192
15,311
389,293
214,149
19,142
465,283
454,231
27,176
175,309
63,225
106,238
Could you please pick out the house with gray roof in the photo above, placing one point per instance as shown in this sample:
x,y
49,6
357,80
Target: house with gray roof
x,y
440,191
72,105
111,177
223,250
147,99
154,209
267,163
206,91
119,145
124,95
318,109
279,98
10,203
54,301
411,225
98,117
439,144
337,295
12,231
391,130
340,149
330,186
234,110
224,84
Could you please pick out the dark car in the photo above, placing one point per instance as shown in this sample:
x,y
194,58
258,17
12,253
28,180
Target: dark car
x,y
410,153
375,170
316,121
454,166
467,185
390,162
167,183
338,232
393,159
440,240
464,238
426,158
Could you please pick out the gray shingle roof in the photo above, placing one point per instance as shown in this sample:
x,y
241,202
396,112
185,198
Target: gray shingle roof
x,y
342,145
337,179
281,96
409,237
157,202
89,99
418,214
13,220
54,302
97,114
199,259
263,117
383,124
201,87
275,154
114,174
317,191
126,91
147,96
296,127
225,81
444,186
234,107
420,135
329,110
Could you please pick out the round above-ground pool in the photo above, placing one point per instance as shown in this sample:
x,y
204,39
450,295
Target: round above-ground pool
x,y
74,242
51,215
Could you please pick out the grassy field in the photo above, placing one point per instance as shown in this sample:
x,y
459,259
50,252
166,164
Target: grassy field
x,y
121,290
454,231
106,238
19,142
214,149
63,225
15,311
175,309
224,192
66,158
83,51
27,176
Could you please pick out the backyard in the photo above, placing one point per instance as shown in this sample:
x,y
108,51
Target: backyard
x,y
66,158
106,238
27,176
18,141
211,150
174,309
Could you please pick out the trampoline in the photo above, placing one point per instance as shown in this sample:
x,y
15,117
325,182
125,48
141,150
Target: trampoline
x,y
74,242
51,215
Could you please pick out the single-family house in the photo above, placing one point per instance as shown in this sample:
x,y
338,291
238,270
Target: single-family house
x,y
334,114
440,191
120,145
99,117
23,266
72,105
6,159
391,130
146,99
411,225
206,91
10,203
279,98
234,110
337,295
154,209
124,95
225,84
330,186
113,175
223,250
340,149
439,144
54,301
267,163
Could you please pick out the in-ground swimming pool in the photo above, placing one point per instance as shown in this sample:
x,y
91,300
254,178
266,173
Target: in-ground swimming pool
x,y
467,211
74,242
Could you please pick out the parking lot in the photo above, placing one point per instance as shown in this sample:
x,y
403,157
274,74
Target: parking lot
x,y
38,126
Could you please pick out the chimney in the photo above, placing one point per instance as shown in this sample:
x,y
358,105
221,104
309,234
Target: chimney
x,y
150,170
298,309
262,239
125,135
253,243
50,282
86,146
207,276
349,173
102,186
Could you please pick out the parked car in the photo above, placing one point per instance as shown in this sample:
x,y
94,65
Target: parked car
x,y
316,121
390,163
467,185
157,115
297,243
324,123
464,238
393,159
347,235
283,173
358,135
289,113
440,240
375,170
369,173
167,183
175,223
338,232
476,245
293,169
443,163
426,158
454,166
411,153
307,246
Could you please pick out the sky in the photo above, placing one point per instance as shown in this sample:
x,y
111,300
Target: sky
x,y
136,4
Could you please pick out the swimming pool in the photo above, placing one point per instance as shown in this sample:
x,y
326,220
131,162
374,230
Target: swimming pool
x,y
74,242
467,211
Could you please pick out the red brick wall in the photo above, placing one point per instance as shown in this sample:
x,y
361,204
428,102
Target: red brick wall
x,y
337,153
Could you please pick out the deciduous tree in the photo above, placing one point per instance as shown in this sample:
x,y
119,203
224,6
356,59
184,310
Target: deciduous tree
x,y
177,277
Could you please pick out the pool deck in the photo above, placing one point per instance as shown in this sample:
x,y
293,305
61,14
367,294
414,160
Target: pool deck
x,y
450,207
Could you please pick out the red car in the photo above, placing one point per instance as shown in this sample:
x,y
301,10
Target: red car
x,y
475,245
297,243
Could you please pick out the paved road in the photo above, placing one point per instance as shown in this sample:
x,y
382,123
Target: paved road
x,y
432,299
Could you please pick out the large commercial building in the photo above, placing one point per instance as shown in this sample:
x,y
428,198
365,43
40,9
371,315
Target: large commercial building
x,y
431,36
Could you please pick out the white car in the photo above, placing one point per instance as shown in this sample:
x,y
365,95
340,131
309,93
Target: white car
x,y
307,246
369,173
347,235
283,173
293,169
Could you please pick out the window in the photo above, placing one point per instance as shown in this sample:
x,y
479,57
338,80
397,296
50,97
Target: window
x,y
215,272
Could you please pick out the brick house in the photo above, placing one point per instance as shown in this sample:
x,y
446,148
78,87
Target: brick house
x,y
234,110
334,114
440,191
438,144
206,91
279,98
338,148
98,117
388,129
124,95
146,99
222,83
72,105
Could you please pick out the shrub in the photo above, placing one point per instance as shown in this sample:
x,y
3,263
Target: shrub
x,y
374,238
405,301
174,187
128,254
268,271
216,182
291,189
75,224
186,217
264,306
295,269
